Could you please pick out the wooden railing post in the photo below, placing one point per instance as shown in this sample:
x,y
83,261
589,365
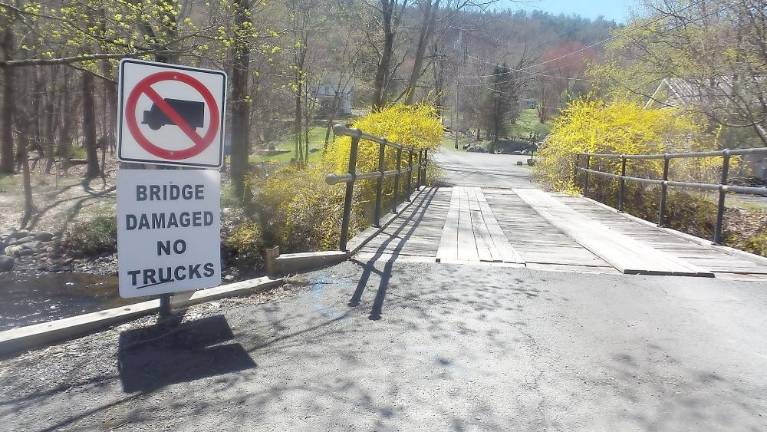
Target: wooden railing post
x,y
379,184
575,168
349,190
425,163
622,187
420,161
722,196
663,192
410,173
396,181
586,177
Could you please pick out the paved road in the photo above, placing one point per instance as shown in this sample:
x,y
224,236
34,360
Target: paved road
x,y
428,347
484,170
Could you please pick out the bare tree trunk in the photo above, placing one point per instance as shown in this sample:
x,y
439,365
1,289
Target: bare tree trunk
x,y
297,120
241,106
29,207
65,139
89,126
9,84
427,28
384,63
50,123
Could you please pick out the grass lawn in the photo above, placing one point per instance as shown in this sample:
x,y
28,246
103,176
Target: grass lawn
x,y
448,142
528,123
316,141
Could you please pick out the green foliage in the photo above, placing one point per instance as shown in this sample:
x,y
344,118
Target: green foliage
x,y
528,124
95,237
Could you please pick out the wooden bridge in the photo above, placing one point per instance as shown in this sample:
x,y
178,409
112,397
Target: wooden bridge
x,y
488,212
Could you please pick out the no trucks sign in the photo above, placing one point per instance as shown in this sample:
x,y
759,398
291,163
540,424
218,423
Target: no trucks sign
x,y
167,231
170,114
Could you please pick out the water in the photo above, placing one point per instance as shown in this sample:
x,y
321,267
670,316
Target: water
x,y
55,296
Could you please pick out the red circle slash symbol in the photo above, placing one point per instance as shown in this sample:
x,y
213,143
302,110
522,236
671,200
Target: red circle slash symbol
x,y
145,87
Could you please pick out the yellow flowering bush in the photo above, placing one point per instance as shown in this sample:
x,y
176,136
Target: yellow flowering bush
x,y
409,125
299,211
622,127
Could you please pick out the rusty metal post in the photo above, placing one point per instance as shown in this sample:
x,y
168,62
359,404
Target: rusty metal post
x,y
586,177
722,196
663,192
395,201
379,185
410,174
349,191
622,187
420,160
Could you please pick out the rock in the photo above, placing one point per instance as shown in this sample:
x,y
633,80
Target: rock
x,y
23,240
228,278
25,252
32,246
13,251
18,234
44,236
6,263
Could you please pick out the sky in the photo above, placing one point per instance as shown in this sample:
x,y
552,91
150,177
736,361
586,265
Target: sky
x,y
617,10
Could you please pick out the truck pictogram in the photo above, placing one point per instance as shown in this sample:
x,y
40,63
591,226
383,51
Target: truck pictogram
x,y
193,112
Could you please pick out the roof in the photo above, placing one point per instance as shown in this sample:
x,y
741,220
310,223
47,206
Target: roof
x,y
686,92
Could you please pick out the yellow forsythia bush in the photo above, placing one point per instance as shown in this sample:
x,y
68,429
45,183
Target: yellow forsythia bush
x,y
299,211
410,125
418,126
622,127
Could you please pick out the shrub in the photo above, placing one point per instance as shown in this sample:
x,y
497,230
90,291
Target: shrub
x,y
244,244
95,237
410,125
620,127
299,211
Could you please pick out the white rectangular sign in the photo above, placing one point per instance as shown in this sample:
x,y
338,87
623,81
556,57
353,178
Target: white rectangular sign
x,y
168,231
170,114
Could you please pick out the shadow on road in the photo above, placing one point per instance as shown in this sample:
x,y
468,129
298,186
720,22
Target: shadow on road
x,y
151,358
369,267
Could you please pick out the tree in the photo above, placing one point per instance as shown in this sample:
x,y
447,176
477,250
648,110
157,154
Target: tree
x,y
501,103
6,136
391,12
715,47
240,102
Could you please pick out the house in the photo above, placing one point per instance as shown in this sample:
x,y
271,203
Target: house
x,y
707,96
690,94
325,94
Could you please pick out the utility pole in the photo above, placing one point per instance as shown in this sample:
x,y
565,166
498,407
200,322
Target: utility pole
x,y
457,104
460,46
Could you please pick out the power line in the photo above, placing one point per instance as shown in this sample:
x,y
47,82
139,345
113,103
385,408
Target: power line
x,y
655,21
604,41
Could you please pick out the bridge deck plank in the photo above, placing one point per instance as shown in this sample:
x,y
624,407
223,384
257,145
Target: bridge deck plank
x,y
626,254
714,259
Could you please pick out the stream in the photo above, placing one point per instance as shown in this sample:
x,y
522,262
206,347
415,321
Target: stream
x,y
53,296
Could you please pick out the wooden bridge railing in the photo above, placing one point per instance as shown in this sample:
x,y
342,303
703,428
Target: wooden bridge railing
x,y
722,187
352,175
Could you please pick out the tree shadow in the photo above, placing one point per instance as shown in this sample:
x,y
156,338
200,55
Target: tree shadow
x,y
79,202
369,267
154,357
